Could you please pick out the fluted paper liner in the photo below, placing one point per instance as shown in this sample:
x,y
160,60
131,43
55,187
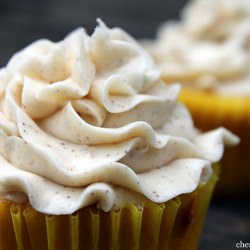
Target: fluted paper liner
x,y
211,111
173,225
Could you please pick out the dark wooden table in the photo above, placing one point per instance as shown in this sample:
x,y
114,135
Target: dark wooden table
x,y
22,22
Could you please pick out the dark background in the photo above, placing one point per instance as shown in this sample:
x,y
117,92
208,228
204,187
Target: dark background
x,y
24,21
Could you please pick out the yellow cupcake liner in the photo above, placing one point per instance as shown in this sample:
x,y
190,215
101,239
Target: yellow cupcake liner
x,y
173,225
210,111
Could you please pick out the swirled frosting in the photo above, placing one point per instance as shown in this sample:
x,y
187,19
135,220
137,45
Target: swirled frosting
x,y
209,48
88,120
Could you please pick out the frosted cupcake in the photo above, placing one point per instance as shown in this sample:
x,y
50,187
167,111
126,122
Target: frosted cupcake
x,y
208,52
95,150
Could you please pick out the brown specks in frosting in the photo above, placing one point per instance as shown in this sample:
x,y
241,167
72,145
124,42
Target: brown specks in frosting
x,y
31,162
24,129
79,140
159,142
63,145
156,194
72,168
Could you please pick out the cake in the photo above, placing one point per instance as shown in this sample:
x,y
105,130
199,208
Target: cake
x,y
207,51
96,151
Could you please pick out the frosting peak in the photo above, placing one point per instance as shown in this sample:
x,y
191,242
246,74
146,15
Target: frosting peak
x,y
89,120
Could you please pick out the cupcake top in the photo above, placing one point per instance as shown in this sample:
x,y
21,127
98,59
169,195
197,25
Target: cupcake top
x,y
88,120
209,48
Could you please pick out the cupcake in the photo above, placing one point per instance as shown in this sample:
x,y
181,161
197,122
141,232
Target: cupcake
x,y
208,52
95,149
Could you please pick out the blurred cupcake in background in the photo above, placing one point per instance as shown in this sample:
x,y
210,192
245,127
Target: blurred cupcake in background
x,y
97,152
208,52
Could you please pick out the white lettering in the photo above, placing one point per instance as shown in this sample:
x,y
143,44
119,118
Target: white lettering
x,y
241,244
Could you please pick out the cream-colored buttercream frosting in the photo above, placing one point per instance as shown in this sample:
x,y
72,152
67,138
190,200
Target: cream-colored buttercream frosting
x,y
88,120
209,48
